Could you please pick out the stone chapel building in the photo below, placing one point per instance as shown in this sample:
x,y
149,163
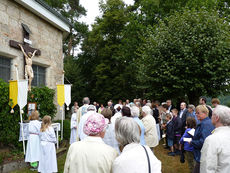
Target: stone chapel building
x,y
45,29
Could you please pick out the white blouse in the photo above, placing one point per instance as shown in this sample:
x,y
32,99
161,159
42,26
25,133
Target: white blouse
x,y
133,159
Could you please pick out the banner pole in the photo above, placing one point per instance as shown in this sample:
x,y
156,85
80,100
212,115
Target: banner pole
x,y
62,124
23,140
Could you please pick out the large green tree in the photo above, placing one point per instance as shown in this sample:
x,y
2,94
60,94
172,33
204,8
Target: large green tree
x,y
72,11
186,55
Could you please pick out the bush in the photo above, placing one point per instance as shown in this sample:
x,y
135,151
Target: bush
x,y
66,129
9,123
44,97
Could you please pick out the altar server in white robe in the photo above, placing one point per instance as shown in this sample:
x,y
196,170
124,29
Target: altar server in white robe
x,y
48,158
33,144
81,111
73,127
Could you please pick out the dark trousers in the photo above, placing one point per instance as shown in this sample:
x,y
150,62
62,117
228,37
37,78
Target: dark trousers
x,y
190,159
196,168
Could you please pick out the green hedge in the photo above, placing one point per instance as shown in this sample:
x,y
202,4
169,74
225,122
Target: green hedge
x,y
66,129
9,123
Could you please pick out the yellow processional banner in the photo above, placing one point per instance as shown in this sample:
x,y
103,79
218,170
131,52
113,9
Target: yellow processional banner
x,y
13,93
61,94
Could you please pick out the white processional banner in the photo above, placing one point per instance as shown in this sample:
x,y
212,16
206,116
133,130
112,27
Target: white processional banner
x,y
67,95
22,93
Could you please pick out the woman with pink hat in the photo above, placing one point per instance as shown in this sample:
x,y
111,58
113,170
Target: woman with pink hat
x,y
91,154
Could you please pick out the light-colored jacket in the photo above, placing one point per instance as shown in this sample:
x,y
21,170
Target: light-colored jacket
x,y
215,153
133,159
90,155
151,137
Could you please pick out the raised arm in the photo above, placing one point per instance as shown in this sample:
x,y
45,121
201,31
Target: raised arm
x,y
22,50
34,53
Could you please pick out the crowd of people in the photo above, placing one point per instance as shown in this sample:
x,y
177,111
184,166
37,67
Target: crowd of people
x,y
122,137
183,131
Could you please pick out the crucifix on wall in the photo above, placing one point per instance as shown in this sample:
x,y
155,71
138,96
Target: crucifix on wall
x,y
28,53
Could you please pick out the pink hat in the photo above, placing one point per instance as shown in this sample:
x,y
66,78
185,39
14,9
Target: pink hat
x,y
95,124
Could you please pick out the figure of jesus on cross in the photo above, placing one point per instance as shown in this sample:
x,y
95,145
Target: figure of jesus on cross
x,y
29,74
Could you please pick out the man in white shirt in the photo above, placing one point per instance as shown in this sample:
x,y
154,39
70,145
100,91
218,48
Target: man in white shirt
x,y
215,153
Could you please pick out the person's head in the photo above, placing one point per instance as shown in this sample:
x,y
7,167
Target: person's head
x,y
168,116
201,112
165,107
125,111
127,131
157,103
91,108
169,102
34,115
134,101
138,104
127,101
46,122
221,116
148,104
144,102
95,125
202,100
102,105
191,108
75,103
95,103
182,105
175,112
86,100
145,111
107,113
215,102
30,54
109,103
135,111
191,122
120,102
117,108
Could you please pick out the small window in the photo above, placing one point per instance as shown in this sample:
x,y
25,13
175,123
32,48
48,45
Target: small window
x,y
5,68
39,75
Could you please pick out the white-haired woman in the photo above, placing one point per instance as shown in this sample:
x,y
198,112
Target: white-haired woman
x,y
135,112
151,137
134,157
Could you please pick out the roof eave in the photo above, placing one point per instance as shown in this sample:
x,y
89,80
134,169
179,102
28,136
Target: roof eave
x,y
37,8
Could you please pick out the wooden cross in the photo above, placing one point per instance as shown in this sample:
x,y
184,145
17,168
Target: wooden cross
x,y
26,42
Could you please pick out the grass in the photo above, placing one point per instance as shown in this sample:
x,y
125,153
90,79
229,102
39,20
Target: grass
x,y
170,164
61,163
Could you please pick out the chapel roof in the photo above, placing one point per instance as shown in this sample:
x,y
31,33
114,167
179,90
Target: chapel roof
x,y
52,10
43,10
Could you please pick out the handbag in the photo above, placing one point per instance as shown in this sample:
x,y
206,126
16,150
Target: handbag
x,y
147,159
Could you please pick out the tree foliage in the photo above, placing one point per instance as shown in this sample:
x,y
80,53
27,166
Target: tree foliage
x,y
125,55
188,54
72,10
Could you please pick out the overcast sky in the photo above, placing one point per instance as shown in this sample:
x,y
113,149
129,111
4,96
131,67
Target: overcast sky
x,y
93,10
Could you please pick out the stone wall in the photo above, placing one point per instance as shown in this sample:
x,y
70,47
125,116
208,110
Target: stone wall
x,y
44,36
